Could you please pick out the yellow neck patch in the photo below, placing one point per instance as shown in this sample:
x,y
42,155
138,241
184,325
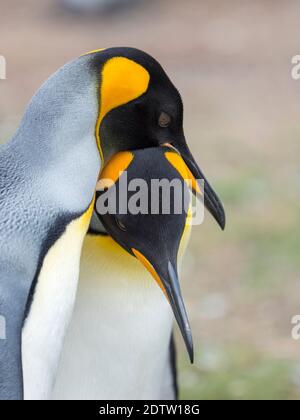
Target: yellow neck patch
x,y
185,235
86,217
179,164
123,81
114,169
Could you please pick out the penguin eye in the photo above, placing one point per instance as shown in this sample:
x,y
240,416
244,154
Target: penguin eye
x,y
120,225
164,120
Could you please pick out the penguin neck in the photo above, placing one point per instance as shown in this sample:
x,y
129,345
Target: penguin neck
x,y
118,343
56,138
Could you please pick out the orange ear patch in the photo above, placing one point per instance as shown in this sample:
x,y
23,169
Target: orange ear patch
x,y
114,169
179,164
123,80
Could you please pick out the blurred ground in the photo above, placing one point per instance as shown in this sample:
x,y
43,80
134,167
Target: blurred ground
x,y
231,61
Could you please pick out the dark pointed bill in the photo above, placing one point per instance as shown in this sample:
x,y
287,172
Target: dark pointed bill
x,y
211,200
167,279
175,297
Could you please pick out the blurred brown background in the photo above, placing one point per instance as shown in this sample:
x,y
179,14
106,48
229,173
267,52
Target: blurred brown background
x,y
232,63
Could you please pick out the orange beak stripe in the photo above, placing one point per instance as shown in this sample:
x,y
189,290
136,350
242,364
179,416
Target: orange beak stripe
x,y
151,270
179,164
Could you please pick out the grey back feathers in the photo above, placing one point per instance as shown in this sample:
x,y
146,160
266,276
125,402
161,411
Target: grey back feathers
x,y
48,173
51,165
50,168
57,134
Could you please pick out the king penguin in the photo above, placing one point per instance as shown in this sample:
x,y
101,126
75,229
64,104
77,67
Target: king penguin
x,y
90,109
119,344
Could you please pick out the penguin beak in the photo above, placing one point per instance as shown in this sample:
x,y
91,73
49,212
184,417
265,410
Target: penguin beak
x,y
211,200
167,279
174,295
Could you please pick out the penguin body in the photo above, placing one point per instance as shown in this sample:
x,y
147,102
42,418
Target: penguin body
x,y
28,244
119,344
49,170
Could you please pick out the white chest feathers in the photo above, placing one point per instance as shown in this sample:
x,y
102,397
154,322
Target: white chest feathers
x,y
117,345
50,312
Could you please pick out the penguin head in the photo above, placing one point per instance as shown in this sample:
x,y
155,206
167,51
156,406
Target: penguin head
x,y
139,107
144,202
